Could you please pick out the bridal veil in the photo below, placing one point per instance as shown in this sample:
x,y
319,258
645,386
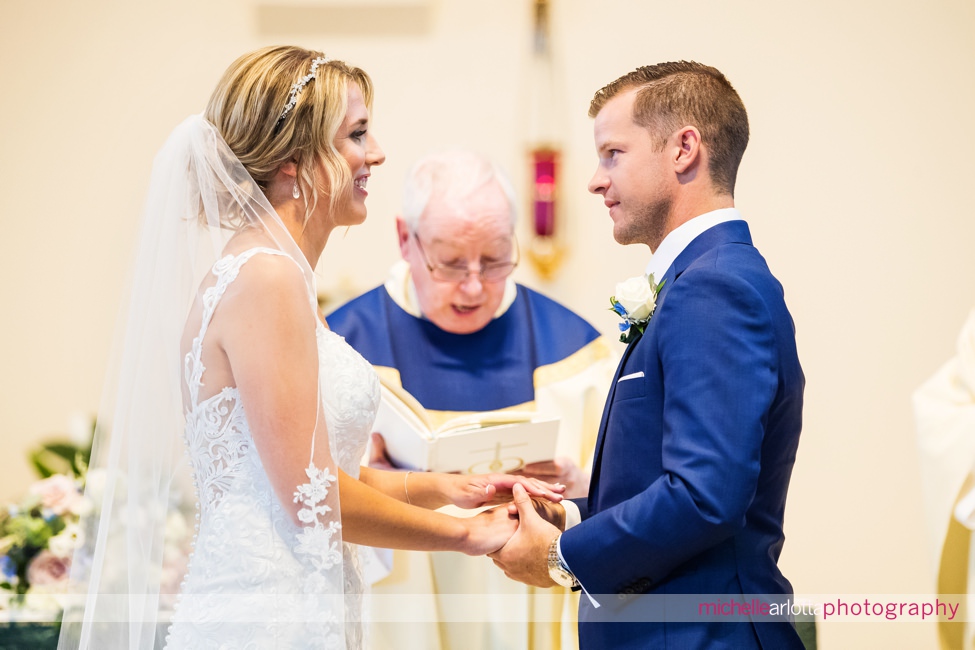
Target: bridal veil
x,y
126,576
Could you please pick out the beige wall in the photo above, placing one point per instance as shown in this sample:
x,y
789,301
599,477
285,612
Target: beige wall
x,y
853,183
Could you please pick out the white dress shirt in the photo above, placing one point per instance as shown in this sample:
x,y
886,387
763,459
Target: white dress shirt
x,y
677,240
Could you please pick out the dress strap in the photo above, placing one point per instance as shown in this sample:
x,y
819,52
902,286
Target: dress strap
x,y
226,270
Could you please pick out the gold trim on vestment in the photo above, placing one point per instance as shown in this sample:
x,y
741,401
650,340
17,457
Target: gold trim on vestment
x,y
390,377
953,576
579,361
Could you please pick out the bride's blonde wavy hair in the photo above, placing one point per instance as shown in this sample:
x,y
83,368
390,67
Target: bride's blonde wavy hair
x,y
247,103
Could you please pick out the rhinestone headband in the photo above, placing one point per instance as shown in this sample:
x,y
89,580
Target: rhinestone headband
x,y
299,85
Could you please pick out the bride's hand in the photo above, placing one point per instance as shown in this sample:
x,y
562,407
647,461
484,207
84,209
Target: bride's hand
x,y
488,531
476,490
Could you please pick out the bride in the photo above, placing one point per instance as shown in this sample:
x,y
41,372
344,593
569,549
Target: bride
x,y
234,401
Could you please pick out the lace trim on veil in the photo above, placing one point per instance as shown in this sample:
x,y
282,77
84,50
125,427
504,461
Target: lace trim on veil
x,y
315,539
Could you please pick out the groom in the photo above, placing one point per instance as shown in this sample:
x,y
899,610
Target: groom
x,y
700,429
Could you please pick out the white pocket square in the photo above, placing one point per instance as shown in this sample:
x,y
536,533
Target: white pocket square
x,y
632,375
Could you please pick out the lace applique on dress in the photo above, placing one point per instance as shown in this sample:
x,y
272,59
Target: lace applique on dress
x,y
315,540
255,578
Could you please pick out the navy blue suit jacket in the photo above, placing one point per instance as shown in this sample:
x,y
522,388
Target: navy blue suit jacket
x,y
694,457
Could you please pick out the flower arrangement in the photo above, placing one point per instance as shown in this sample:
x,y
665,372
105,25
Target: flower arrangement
x,y
39,534
635,301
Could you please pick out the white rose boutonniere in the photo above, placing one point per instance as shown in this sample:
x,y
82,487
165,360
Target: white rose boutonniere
x,y
634,301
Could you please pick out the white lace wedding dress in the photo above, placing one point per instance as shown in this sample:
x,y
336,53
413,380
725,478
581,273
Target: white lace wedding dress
x,y
256,579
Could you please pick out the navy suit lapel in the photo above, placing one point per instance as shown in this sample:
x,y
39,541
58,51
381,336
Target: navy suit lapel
x,y
723,233
594,480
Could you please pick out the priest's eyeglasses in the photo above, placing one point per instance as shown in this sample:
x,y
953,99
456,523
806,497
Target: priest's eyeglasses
x,y
460,271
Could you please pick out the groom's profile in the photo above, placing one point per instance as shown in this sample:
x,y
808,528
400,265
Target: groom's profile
x,y
700,430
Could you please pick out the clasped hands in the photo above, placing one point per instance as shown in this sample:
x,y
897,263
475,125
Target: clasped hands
x,y
517,535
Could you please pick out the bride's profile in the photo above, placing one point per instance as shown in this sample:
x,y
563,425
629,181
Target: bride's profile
x,y
234,407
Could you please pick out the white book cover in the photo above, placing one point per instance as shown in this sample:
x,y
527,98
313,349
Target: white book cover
x,y
473,443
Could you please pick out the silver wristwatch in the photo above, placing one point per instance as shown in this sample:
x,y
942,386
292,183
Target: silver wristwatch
x,y
557,569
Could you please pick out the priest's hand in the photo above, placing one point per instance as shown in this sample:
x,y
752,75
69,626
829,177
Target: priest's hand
x,y
561,470
476,490
378,457
525,557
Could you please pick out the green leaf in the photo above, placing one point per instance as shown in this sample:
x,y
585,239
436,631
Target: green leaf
x,y
37,532
59,458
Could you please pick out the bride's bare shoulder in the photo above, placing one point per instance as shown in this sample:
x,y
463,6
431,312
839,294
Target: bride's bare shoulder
x,y
274,279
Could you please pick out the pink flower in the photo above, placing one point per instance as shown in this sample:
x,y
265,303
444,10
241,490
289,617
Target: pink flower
x,y
48,569
58,493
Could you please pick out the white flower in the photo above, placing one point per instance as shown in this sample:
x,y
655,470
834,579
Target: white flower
x,y
634,302
95,486
637,296
65,542
82,507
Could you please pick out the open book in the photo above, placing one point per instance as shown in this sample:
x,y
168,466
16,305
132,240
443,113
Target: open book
x,y
473,443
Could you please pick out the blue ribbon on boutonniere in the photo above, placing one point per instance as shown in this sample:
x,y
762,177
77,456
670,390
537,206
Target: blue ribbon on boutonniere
x,y
635,301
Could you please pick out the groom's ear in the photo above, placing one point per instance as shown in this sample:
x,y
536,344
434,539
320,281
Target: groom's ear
x,y
687,150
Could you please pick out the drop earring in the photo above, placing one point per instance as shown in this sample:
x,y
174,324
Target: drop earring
x,y
295,192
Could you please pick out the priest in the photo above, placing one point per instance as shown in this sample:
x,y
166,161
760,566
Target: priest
x,y
451,328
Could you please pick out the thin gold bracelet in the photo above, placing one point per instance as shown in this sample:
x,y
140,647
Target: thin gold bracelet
x,y
406,489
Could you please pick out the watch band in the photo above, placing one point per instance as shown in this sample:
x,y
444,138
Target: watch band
x,y
557,570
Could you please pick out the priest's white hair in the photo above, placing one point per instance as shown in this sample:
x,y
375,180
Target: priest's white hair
x,y
452,176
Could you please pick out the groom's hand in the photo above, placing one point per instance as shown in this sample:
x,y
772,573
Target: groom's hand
x,y
525,557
